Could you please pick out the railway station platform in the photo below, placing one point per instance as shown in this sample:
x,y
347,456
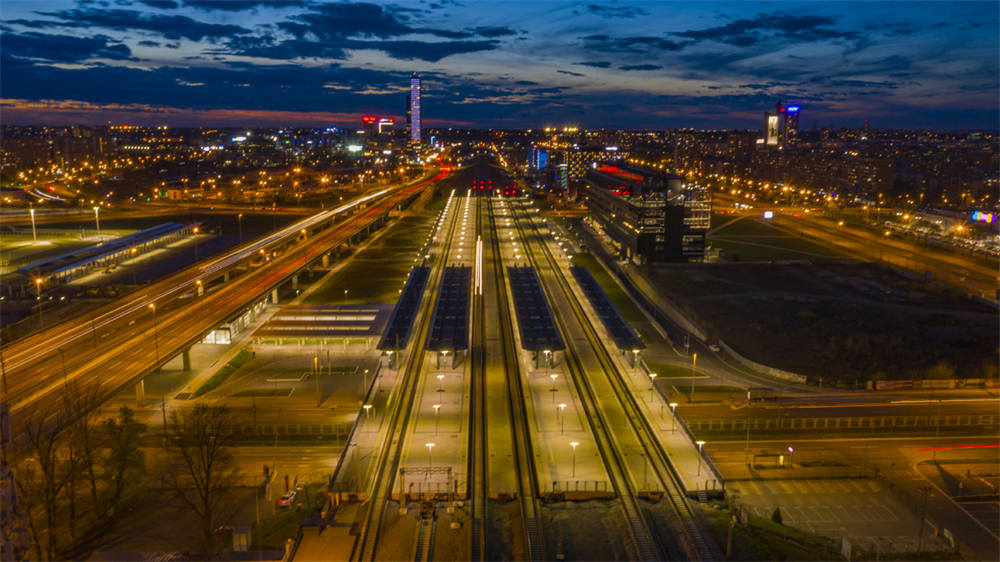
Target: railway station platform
x,y
397,330
623,335
534,314
107,254
449,331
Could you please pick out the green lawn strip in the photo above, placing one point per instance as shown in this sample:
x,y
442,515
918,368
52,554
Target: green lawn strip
x,y
771,248
223,373
625,306
273,531
666,370
751,543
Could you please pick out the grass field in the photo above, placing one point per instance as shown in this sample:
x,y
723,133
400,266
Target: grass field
x,y
750,239
628,309
845,322
671,371
378,273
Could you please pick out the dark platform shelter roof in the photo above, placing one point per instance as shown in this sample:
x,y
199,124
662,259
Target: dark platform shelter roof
x,y
450,322
623,334
397,332
534,315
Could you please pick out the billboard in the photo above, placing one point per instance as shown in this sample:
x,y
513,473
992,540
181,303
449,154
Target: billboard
x,y
771,133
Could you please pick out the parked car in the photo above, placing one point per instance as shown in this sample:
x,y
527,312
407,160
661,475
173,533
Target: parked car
x,y
287,499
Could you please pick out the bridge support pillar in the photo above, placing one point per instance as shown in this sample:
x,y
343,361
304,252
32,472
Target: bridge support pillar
x,y
295,281
326,260
186,358
201,288
274,296
140,392
225,277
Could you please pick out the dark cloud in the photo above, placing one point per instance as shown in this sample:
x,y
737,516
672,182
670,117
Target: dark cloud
x,y
493,31
595,64
149,44
273,87
446,33
570,73
631,44
61,48
745,32
863,84
526,83
641,67
171,27
161,4
894,28
240,5
344,19
616,11
336,48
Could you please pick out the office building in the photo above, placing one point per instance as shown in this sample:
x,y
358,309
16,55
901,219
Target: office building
x,y
648,216
791,126
413,109
579,160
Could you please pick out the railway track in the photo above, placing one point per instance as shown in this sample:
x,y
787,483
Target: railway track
x,y
390,452
523,455
692,542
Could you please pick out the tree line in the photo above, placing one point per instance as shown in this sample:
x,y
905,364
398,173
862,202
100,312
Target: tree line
x,y
78,474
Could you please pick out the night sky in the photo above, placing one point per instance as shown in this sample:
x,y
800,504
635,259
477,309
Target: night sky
x,y
499,64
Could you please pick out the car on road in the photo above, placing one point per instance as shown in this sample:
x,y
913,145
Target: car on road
x,y
287,499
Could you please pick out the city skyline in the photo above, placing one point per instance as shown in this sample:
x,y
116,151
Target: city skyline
x,y
611,64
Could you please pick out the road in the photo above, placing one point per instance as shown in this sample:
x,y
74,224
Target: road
x,y
118,343
977,274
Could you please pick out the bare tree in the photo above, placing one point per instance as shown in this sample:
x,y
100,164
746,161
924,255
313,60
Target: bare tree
x,y
41,478
200,468
124,466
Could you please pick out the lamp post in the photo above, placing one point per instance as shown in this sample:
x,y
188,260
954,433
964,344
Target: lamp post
x,y
635,357
430,447
574,444
345,297
553,376
156,336
652,385
562,428
38,290
746,446
437,417
195,231
700,443
368,408
694,360
673,417
239,221
34,235
97,219
440,379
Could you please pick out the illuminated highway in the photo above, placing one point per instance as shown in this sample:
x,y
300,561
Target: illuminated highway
x,y
117,344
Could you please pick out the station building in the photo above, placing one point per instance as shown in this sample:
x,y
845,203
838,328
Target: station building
x,y
648,216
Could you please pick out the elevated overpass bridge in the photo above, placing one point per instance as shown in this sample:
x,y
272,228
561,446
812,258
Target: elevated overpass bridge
x,y
120,343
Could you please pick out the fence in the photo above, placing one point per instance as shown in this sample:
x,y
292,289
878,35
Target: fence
x,y
737,424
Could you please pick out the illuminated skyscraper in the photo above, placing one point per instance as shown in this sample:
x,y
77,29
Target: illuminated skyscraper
x,y
791,130
413,112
